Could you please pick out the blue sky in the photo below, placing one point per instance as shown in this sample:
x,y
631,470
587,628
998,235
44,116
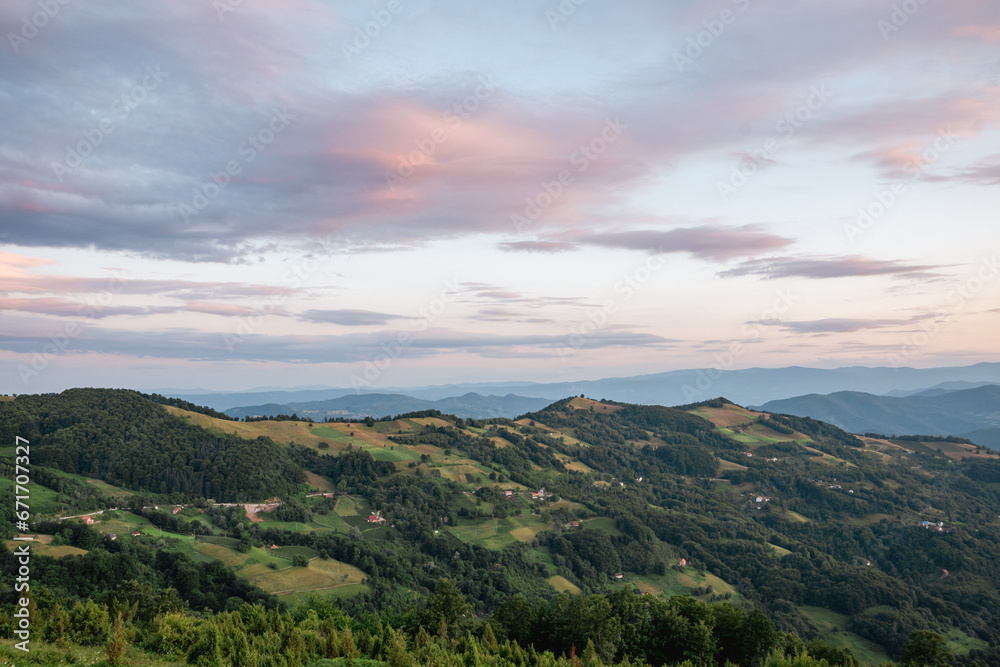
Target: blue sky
x,y
404,193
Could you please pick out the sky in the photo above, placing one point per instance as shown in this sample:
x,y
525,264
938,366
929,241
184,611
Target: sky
x,y
226,194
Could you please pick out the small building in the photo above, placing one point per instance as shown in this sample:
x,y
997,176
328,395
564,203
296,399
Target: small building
x,y
274,546
177,510
136,533
682,562
376,518
88,520
575,524
619,575
113,537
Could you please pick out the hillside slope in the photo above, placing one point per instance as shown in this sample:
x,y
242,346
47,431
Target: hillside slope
x,y
787,514
948,413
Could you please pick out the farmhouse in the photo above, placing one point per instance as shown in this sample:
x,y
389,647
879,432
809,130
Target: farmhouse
x,y
88,520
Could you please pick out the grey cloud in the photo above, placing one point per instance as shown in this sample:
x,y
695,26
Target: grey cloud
x,y
829,267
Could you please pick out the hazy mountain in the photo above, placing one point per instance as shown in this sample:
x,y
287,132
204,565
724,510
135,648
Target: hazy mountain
x,y
358,406
938,389
748,386
952,413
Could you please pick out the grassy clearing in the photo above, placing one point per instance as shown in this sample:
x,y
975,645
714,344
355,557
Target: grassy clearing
x,y
961,643
348,506
43,501
726,416
778,551
603,524
319,483
320,576
288,553
795,516
563,585
42,546
831,625
332,522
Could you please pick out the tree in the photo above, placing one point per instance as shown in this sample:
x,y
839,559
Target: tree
x,y
447,605
207,651
925,649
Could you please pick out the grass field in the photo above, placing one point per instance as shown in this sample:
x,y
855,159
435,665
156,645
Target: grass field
x,y
563,585
43,500
331,521
42,546
961,643
603,524
726,416
320,576
779,551
347,506
832,625
319,483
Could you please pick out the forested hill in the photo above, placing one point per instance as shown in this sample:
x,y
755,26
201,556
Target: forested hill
x,y
125,439
563,528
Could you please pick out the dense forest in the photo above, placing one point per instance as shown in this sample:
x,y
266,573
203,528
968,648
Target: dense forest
x,y
815,519
122,438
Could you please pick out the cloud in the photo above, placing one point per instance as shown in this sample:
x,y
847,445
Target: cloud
x,y
829,267
347,317
353,123
714,243
536,246
57,307
194,345
834,325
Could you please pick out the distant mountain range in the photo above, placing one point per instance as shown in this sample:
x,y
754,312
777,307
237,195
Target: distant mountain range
x,y
359,406
752,386
969,413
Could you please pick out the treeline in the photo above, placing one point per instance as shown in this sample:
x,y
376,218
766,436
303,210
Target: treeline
x,y
127,440
187,405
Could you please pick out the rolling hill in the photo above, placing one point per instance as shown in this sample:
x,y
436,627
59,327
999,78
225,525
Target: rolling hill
x,y
359,406
834,537
970,413
750,386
